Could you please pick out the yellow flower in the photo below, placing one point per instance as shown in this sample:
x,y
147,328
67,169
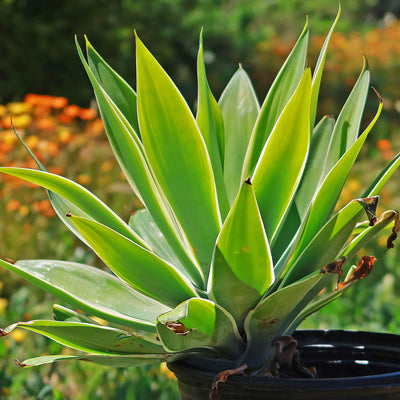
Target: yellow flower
x,y
19,108
3,304
22,121
24,210
83,179
18,335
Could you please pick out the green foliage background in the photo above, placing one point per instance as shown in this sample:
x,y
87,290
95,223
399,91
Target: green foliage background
x,y
38,55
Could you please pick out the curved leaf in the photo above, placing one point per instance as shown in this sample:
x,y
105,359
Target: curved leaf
x,y
369,233
76,194
91,290
119,361
136,265
92,338
199,323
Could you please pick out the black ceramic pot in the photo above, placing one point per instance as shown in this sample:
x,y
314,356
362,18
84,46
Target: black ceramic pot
x,y
350,365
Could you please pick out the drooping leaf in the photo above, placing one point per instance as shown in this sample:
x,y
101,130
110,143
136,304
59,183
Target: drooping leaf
x,y
199,323
91,290
369,233
211,124
240,108
92,338
118,361
242,262
177,155
136,265
283,159
278,95
83,200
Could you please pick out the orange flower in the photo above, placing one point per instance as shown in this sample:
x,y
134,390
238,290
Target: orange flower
x,y
6,122
72,111
59,102
87,114
384,144
13,205
53,149
46,124
44,207
65,119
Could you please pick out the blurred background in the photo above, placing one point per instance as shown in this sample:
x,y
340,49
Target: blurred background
x,y
44,87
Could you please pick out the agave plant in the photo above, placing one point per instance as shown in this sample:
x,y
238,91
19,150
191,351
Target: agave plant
x,y
239,239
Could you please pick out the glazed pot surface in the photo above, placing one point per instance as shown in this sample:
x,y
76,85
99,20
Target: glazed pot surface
x,y
350,365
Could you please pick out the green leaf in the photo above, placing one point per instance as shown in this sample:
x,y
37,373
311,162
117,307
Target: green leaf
x,y
83,200
348,123
130,154
309,183
91,290
242,262
240,109
58,203
383,177
283,159
329,191
118,361
136,265
210,122
326,245
199,323
369,233
122,95
278,95
144,225
178,155
91,338
271,318
319,67
61,313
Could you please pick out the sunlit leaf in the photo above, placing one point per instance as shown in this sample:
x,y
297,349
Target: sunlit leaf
x,y
178,155
240,108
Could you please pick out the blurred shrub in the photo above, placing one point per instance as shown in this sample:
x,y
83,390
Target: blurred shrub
x,y
41,57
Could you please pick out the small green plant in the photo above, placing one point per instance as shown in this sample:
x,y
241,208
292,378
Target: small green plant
x,y
239,240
